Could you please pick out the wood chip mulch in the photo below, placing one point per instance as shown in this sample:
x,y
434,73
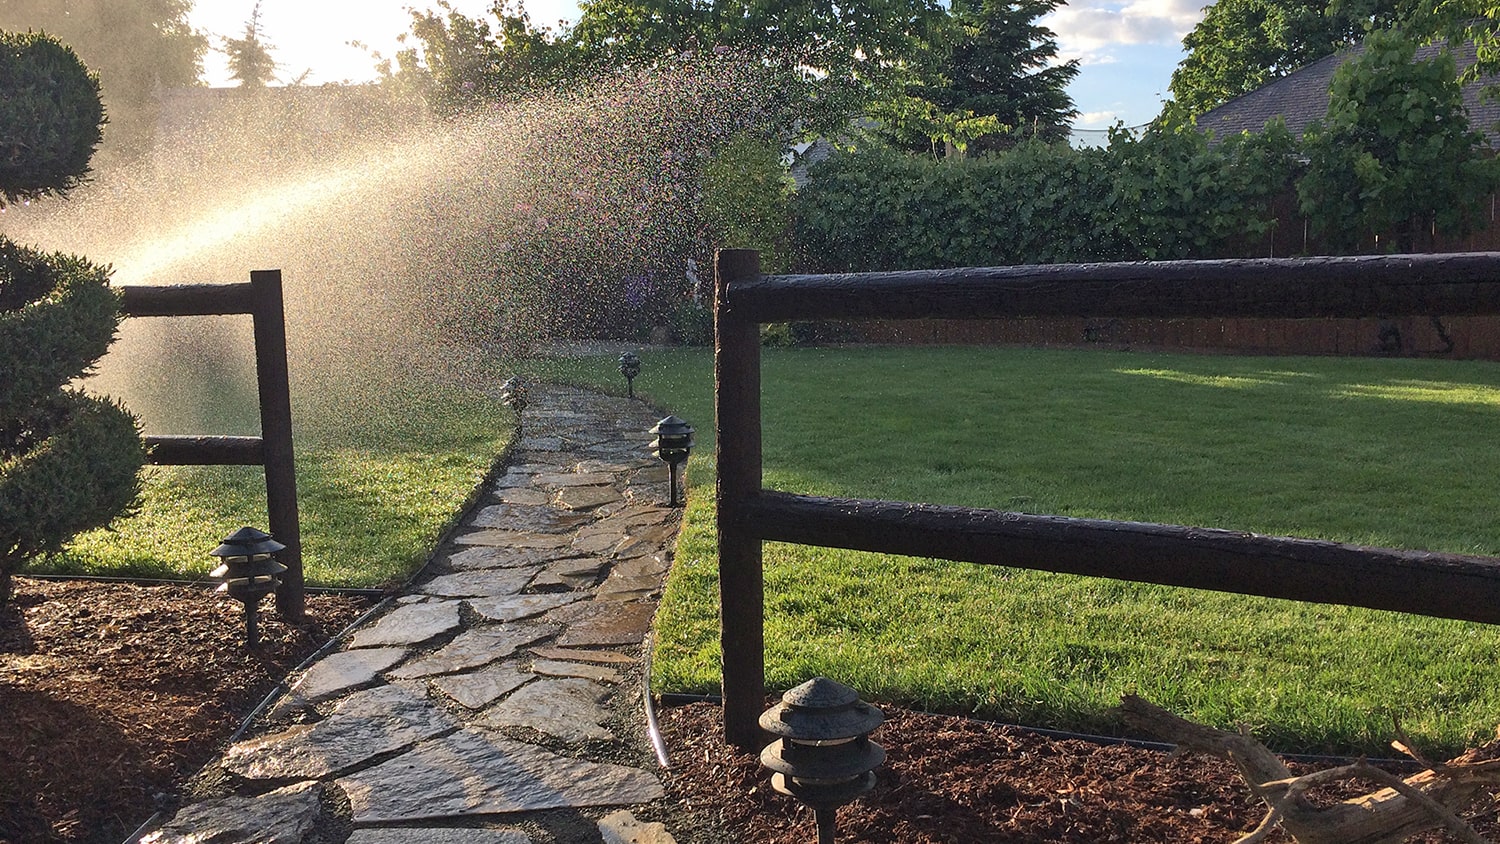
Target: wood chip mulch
x,y
952,780
112,695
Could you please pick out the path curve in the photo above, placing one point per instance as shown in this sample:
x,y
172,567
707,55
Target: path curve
x,y
499,700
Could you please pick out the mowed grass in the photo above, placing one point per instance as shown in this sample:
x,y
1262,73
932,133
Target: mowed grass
x,y
382,470
1381,452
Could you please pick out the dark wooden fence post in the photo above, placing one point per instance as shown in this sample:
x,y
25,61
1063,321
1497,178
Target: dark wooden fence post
x,y
737,422
276,432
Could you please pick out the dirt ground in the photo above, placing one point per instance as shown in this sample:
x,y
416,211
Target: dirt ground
x,y
112,696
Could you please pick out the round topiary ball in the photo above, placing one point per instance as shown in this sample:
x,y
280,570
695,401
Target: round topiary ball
x,y
51,117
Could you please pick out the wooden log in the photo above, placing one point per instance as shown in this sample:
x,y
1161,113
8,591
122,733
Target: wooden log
x,y
741,581
186,299
1360,286
1385,816
1425,583
204,451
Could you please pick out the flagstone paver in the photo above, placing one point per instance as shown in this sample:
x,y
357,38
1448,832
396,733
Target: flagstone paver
x,y
284,816
342,671
428,714
470,773
416,835
562,668
481,583
476,647
517,607
364,725
412,624
478,689
583,655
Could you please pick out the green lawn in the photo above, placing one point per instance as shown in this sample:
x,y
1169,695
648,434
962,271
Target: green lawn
x,y
1382,452
382,470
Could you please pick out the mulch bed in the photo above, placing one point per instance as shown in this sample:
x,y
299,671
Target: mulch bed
x,y
951,780
113,695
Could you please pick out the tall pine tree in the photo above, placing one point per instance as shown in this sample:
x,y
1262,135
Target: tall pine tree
x,y
997,80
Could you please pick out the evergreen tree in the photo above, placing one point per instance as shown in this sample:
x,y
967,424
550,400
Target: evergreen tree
x,y
250,61
68,461
994,80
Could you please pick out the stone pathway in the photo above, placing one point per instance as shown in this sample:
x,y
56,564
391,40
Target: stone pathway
x,y
499,702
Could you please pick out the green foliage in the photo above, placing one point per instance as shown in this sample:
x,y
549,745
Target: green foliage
x,y
746,194
51,118
459,63
602,228
72,463
1395,154
1461,22
848,53
1241,45
135,46
1168,194
995,71
57,317
1177,196
68,462
250,61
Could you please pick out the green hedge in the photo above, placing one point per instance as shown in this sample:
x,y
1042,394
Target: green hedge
x,y
1166,195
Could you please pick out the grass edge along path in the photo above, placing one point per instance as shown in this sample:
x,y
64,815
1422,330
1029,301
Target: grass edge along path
x,y
376,490
1383,452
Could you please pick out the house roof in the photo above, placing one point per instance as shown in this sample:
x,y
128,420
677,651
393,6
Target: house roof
x,y
1301,97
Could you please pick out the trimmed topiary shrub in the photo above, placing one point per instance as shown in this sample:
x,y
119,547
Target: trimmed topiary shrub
x,y
51,118
69,462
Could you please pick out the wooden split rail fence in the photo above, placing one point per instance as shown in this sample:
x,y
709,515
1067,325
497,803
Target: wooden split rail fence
x,y
262,299
1443,585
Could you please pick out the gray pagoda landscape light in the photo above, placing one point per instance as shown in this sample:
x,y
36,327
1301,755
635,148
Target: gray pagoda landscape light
x,y
824,756
630,366
674,440
248,570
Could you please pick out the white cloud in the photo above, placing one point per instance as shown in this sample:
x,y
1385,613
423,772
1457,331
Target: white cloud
x,y
1087,28
1096,118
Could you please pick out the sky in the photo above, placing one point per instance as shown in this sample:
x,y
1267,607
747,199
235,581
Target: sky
x,y
1127,49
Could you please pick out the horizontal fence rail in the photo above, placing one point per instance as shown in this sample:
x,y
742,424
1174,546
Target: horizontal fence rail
x,y
177,450
1362,286
262,299
1446,585
1443,585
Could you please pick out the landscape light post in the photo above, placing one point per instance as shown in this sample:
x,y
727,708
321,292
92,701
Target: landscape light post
x,y
513,394
248,570
630,366
824,756
674,440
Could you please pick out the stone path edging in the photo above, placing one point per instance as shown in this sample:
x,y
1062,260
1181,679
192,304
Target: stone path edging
x,y
500,698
